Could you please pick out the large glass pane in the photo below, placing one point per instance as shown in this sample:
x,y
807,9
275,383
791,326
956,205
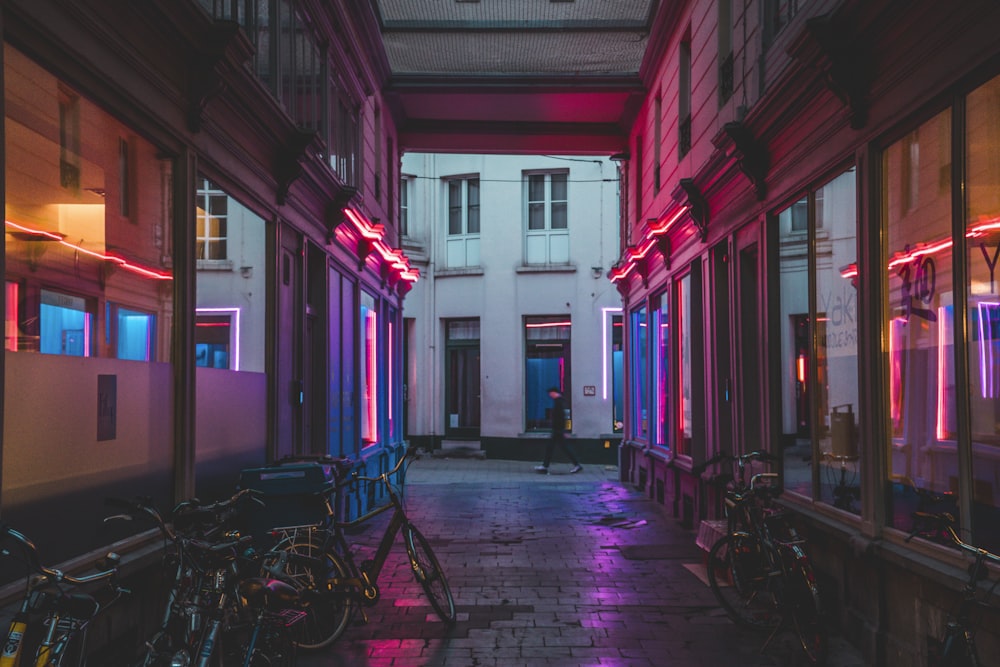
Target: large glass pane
x,y
473,226
983,247
795,330
547,364
685,405
640,373
455,207
661,370
916,205
836,386
88,276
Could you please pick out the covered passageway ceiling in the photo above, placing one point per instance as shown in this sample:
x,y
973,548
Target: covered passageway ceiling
x,y
517,76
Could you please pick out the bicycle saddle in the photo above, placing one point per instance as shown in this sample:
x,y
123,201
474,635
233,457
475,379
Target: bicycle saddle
x,y
268,593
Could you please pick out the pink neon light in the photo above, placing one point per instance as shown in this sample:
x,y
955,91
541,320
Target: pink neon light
x,y
390,374
371,349
375,232
895,370
634,253
922,250
800,368
941,397
986,365
122,263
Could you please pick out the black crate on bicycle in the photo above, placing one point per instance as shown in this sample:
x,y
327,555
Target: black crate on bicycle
x,y
293,492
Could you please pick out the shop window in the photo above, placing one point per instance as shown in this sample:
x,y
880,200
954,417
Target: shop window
x,y
546,364
820,408
405,183
660,338
546,218
640,372
683,295
462,241
216,338
922,409
617,351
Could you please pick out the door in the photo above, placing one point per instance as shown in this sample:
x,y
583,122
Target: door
x,y
462,388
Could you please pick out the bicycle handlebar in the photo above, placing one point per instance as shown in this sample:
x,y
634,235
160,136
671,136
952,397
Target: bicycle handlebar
x,y
740,459
945,521
109,562
410,452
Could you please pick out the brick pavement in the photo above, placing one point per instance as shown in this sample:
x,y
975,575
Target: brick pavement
x,y
557,570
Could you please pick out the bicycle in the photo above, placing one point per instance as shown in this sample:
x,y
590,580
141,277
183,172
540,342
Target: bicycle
x,y
218,610
58,619
958,645
350,585
759,571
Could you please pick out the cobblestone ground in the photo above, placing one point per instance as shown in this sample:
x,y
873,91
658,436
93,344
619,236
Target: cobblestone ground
x,y
567,570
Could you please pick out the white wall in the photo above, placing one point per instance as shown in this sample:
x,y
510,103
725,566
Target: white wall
x,y
501,295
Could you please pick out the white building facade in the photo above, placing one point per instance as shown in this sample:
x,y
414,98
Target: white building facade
x,y
513,253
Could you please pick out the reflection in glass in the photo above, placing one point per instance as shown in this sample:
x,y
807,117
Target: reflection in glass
x,y
983,248
916,205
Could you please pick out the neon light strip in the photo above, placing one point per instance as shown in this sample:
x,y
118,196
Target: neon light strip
x,y
542,325
635,253
986,375
921,250
390,374
941,411
372,406
895,408
122,263
234,334
375,232
604,348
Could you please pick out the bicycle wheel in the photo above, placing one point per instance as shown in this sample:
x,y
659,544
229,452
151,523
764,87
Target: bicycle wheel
x,y
328,608
738,576
806,611
428,573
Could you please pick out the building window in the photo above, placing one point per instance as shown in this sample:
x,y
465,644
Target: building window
x,y
817,248
725,52
405,183
936,461
617,350
216,338
66,325
546,215
640,372
684,98
547,365
132,331
777,14
213,215
462,242
685,365
661,394
657,140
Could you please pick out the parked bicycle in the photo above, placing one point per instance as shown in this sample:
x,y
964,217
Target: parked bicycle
x,y
759,571
55,613
218,610
352,585
958,643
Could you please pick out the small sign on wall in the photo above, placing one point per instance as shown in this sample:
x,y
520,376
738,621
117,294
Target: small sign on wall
x,y
107,407
589,390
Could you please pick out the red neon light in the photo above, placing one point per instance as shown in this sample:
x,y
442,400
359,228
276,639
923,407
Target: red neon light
x,y
633,254
371,348
119,261
924,249
375,232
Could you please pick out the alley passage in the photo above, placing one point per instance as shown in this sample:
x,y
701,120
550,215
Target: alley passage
x,y
567,570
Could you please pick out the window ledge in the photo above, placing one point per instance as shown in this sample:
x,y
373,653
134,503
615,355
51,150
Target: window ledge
x,y
465,271
546,268
214,265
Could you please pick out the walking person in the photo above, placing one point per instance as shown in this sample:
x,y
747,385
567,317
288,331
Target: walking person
x,y
558,437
